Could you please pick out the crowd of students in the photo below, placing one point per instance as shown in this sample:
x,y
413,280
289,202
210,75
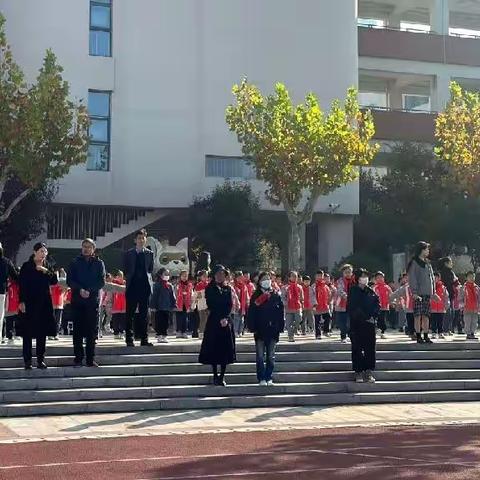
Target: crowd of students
x,y
424,305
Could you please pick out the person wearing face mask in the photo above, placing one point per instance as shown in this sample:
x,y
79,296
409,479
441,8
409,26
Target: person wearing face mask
x,y
363,307
38,320
266,320
218,345
162,302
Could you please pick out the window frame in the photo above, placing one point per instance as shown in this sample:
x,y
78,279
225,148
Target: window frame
x,y
249,172
109,128
94,28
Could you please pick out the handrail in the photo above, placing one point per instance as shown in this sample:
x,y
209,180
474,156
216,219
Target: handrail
x,y
389,109
414,30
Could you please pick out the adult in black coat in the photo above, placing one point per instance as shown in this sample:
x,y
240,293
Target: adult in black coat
x,y
138,269
266,319
218,345
363,307
7,270
38,319
451,282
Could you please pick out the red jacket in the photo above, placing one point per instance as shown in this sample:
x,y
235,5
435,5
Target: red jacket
x,y
342,288
323,296
119,300
293,297
383,291
441,305
13,297
471,297
242,293
250,288
58,296
307,302
184,296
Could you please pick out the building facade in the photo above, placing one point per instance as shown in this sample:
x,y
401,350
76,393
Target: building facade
x,y
157,77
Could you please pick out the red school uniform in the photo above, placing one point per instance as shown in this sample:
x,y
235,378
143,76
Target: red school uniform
x,y
184,296
323,297
57,293
13,298
440,306
383,291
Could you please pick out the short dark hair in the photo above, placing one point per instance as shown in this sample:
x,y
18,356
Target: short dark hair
x,y
360,272
346,267
320,272
306,277
470,272
142,232
379,274
436,273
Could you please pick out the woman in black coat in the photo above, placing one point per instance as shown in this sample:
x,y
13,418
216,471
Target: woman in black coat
x,y
266,319
38,321
218,345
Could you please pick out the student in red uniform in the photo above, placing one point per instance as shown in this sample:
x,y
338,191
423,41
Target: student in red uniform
x,y
162,302
240,288
11,310
383,291
344,283
308,303
471,306
119,308
328,322
439,307
292,296
185,300
322,302
58,300
248,282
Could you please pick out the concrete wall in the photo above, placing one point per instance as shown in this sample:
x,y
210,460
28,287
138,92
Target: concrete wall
x,y
174,63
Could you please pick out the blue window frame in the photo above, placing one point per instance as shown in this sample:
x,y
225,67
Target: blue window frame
x,y
101,28
99,110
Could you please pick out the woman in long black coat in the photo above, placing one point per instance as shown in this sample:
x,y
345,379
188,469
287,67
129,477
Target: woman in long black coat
x,y
218,345
38,320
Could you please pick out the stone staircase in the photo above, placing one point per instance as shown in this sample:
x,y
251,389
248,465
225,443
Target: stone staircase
x,y
168,376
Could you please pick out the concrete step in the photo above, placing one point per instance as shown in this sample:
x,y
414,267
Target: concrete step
x,y
191,368
222,401
181,358
46,383
189,391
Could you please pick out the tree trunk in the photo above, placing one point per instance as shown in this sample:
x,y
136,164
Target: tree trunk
x,y
294,247
17,200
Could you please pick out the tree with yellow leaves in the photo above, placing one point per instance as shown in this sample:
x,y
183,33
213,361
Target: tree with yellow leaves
x,y
300,152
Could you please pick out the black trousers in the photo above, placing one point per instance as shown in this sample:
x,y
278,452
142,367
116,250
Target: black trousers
x,y
437,322
39,349
10,324
162,318
410,324
85,325
363,340
118,323
382,320
322,323
137,298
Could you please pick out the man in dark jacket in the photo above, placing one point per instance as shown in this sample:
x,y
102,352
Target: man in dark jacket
x,y
138,269
86,277
363,307
7,270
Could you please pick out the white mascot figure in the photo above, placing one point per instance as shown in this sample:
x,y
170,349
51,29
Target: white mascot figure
x,y
172,257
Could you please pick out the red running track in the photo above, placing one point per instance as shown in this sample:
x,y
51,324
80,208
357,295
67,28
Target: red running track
x,y
438,453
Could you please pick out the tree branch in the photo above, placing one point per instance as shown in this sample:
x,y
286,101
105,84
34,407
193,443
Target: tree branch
x,y
3,181
13,204
306,215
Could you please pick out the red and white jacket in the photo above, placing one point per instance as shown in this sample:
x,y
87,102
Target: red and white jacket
x,y
383,291
243,297
292,295
185,296
250,288
443,304
309,300
200,300
57,292
13,299
323,297
119,301
342,288
470,297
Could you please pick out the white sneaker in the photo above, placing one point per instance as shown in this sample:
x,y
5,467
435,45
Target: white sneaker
x,y
10,341
359,378
163,340
383,336
441,335
344,340
434,335
184,335
270,383
159,339
369,378
291,340
51,338
263,383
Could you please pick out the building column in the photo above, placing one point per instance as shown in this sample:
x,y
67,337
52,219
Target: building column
x,y
440,16
442,92
394,21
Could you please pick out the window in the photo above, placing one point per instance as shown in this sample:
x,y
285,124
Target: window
x,y
373,99
464,32
99,132
228,167
415,27
413,102
370,23
101,28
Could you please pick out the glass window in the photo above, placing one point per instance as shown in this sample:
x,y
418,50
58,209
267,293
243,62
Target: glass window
x,y
420,103
464,32
100,16
100,28
98,157
373,99
371,22
415,27
228,167
99,148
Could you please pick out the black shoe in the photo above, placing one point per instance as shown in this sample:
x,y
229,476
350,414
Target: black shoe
x,y
426,339
420,339
215,380
41,365
146,343
221,382
77,363
130,343
93,363
28,366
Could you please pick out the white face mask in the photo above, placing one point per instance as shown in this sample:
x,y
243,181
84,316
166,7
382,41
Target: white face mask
x,y
363,281
266,284
166,278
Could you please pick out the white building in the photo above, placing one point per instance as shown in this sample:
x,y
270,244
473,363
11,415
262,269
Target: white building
x,y
157,75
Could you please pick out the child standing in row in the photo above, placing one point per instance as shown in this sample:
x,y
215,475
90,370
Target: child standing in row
x,y
292,296
200,301
240,312
323,298
439,307
383,291
119,307
343,286
471,306
185,301
308,304
11,311
162,302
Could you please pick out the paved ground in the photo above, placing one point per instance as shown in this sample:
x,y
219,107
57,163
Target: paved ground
x,y
374,453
